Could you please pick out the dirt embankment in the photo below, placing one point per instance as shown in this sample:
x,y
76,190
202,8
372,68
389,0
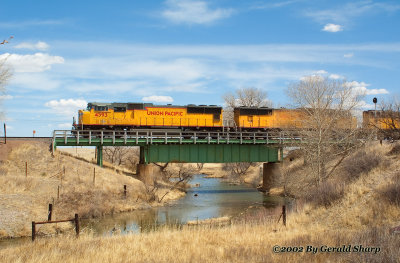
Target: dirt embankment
x,y
31,178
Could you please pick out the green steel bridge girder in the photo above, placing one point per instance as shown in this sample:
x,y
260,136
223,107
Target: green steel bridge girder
x,y
209,153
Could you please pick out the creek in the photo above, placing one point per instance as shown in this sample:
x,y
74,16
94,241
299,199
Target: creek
x,y
211,199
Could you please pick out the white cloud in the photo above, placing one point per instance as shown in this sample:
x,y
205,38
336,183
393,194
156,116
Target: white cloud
x,y
351,10
6,97
171,70
364,105
33,46
35,81
67,125
335,76
158,99
321,72
193,12
332,28
68,107
270,5
348,55
31,23
37,62
361,88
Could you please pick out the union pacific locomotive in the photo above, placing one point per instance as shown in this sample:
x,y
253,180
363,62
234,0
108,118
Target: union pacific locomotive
x,y
121,116
126,116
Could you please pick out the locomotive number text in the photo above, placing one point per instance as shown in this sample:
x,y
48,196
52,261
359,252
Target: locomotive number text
x,y
101,114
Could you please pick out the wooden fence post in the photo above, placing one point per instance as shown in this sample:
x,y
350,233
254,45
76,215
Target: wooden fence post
x,y
58,192
77,225
94,175
33,230
26,169
125,190
5,134
50,212
284,214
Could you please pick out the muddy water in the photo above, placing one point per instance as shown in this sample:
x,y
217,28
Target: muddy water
x,y
213,198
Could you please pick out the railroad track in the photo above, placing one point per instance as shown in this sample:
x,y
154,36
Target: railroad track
x,y
26,139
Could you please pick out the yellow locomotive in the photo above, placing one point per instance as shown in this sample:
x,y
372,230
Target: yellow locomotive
x,y
381,120
250,118
262,118
146,115
386,123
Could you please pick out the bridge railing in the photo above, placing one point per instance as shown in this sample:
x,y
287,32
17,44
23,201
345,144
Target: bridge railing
x,y
171,136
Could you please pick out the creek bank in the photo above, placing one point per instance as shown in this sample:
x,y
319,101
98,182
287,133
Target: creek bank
x,y
31,179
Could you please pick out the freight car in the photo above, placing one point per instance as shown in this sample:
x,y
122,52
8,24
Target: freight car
x,y
125,116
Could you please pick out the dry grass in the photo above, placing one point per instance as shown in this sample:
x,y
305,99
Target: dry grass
x,y
249,242
325,194
362,216
25,199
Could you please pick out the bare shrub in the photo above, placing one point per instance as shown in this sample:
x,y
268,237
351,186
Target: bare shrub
x,y
124,156
395,149
236,170
172,178
391,193
359,163
199,166
325,194
294,154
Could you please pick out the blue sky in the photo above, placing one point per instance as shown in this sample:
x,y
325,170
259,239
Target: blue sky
x,y
67,53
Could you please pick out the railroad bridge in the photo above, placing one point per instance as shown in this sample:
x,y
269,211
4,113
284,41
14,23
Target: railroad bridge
x,y
189,147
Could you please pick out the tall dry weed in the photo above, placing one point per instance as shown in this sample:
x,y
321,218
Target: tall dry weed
x,y
361,162
325,194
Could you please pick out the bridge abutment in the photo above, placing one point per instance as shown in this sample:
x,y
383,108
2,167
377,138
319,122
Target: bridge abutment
x,y
271,171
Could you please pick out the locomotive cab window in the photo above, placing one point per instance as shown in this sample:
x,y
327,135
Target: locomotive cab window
x,y
119,109
101,108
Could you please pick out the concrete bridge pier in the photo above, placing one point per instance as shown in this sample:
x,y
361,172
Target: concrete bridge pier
x,y
271,171
145,173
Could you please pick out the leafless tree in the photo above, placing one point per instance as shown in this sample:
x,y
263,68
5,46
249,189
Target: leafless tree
x,y
243,97
124,156
329,130
5,75
173,179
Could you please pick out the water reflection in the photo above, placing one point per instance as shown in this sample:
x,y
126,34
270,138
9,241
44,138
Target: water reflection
x,y
213,198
